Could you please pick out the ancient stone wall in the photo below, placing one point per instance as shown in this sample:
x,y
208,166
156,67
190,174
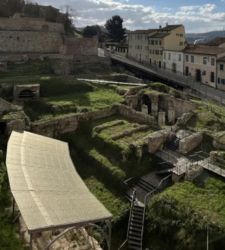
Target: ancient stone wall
x,y
81,47
68,123
135,115
30,24
30,42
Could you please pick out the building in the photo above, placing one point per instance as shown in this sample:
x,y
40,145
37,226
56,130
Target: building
x,y
138,48
173,60
200,63
170,39
218,41
221,73
147,46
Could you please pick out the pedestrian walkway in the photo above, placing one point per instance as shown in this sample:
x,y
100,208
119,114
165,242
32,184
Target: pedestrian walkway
x,y
182,80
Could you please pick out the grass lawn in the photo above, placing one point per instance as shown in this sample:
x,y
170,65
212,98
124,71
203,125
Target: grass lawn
x,y
113,201
94,100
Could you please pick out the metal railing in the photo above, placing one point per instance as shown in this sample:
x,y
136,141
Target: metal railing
x,y
129,221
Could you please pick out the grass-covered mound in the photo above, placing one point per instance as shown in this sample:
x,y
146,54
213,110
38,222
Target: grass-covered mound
x,y
178,217
63,95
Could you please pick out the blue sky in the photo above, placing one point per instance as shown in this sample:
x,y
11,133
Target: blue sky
x,y
197,16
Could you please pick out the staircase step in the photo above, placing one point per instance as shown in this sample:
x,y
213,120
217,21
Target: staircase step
x,y
131,247
135,230
137,239
138,216
145,187
149,183
134,243
135,225
138,208
134,234
137,221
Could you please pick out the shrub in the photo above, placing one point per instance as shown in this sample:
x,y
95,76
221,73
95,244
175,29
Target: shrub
x,y
160,87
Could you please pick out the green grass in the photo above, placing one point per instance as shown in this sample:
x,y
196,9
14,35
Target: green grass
x,y
98,99
113,201
8,237
180,216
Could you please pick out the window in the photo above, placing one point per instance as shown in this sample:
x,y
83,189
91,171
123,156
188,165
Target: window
x,y
212,77
218,80
156,42
204,60
223,81
221,67
192,59
179,58
164,55
187,58
160,43
152,42
212,61
181,43
169,56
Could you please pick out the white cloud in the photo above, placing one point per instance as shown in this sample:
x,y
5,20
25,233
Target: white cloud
x,y
195,18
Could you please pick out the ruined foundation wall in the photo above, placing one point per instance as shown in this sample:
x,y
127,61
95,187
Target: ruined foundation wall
x,y
68,123
136,116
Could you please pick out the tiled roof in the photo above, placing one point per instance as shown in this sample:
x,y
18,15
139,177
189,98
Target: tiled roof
x,y
143,31
217,41
204,49
221,59
159,35
171,27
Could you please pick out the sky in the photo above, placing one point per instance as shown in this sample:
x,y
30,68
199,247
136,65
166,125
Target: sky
x,y
198,16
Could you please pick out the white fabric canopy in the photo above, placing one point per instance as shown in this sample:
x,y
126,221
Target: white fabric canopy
x,y
46,187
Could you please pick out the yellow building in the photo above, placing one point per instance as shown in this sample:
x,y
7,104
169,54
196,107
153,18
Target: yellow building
x,y
147,45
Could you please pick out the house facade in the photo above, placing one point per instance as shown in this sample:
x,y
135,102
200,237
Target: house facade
x,y
147,46
221,73
138,45
170,38
200,62
173,60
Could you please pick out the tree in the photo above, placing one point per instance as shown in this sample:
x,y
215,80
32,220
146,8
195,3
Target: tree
x,y
90,31
10,7
115,28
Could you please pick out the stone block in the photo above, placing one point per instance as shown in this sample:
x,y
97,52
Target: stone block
x,y
161,119
157,140
189,143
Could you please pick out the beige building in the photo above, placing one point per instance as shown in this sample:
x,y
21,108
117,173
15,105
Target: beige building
x,y
221,73
170,38
200,63
147,45
173,60
138,44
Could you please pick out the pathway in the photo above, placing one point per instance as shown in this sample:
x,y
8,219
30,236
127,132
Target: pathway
x,y
180,79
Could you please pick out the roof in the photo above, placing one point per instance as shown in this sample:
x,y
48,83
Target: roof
x,y
148,31
222,59
159,35
217,41
204,49
46,186
171,27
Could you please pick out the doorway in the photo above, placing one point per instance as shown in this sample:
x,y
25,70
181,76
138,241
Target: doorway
x,y
198,75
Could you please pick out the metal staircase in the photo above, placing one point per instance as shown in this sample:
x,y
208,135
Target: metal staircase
x,y
135,229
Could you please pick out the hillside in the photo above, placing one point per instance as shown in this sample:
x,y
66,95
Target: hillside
x,y
204,37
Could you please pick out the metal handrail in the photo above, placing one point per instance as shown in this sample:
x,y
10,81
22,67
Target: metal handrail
x,y
146,199
131,208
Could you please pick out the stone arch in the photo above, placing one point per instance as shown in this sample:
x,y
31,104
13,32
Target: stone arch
x,y
146,100
26,93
